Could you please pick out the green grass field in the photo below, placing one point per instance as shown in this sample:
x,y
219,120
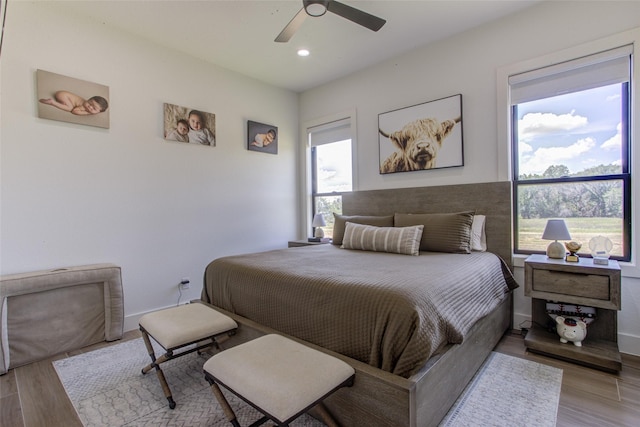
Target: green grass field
x,y
581,230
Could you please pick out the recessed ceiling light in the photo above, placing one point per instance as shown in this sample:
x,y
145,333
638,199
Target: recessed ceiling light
x,y
303,52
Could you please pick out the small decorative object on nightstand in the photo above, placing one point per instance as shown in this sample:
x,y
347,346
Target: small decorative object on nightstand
x,y
573,248
582,283
571,330
600,249
556,230
318,223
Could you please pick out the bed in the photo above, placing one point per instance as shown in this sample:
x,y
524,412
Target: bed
x,y
415,328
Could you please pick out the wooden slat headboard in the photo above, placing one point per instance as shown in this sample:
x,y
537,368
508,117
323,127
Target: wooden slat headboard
x,y
492,199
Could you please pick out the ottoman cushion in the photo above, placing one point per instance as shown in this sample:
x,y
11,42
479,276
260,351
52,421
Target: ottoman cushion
x,y
278,375
184,324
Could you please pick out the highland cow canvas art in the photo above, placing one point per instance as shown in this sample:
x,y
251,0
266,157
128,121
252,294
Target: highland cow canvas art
x,y
421,137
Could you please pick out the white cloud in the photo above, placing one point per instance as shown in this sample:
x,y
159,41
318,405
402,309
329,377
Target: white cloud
x,y
524,148
542,158
536,124
615,141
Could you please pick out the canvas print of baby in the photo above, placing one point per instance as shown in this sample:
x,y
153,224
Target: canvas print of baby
x,y
188,125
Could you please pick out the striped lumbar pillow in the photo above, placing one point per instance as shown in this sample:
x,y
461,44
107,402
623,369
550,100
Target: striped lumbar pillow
x,y
399,240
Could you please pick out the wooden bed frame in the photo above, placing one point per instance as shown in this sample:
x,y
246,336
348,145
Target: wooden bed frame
x,y
379,398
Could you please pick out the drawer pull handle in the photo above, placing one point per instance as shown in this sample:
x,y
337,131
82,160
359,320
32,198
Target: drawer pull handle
x,y
564,273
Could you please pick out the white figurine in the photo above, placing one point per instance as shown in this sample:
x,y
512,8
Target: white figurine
x,y
571,330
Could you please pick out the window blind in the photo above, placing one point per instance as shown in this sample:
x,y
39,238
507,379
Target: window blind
x,y
327,133
600,69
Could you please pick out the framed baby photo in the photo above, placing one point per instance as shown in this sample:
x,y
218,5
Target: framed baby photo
x,y
189,125
421,137
71,100
262,137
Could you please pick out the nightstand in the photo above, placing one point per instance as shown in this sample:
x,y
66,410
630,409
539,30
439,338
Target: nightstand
x,y
581,283
305,242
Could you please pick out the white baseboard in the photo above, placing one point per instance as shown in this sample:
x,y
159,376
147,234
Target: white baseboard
x,y
629,344
521,321
131,322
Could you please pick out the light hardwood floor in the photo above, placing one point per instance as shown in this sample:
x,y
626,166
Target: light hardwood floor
x,y
32,396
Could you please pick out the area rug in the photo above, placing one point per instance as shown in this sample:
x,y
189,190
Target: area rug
x,y
508,391
107,388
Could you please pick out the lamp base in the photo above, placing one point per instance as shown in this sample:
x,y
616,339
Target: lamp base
x,y
319,232
556,250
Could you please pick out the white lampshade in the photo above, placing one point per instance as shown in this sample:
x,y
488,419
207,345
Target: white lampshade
x,y
556,230
318,221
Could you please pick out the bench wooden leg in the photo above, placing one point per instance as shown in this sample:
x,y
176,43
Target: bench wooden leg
x,y
226,408
155,363
325,415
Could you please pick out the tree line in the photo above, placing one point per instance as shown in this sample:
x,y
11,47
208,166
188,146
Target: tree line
x,y
571,199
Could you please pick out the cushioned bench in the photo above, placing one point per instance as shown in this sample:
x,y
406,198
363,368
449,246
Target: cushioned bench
x,y
182,330
279,377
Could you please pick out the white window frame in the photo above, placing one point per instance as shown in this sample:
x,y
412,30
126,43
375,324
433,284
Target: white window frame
x,y
629,269
306,207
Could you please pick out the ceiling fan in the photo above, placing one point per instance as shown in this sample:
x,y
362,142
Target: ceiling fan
x,y
318,8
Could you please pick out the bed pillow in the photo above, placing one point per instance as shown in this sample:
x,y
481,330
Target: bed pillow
x,y
340,220
478,236
397,240
443,232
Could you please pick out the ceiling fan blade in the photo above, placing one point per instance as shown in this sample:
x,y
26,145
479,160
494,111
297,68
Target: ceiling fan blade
x,y
355,15
293,25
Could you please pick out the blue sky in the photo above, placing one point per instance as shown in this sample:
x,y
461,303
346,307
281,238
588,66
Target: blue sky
x,y
578,130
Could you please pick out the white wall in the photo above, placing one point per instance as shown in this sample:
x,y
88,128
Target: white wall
x,y
468,64
74,195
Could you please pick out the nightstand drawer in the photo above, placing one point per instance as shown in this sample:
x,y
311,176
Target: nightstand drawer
x,y
582,285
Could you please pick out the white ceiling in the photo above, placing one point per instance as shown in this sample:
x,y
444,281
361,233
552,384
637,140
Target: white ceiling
x,y
239,35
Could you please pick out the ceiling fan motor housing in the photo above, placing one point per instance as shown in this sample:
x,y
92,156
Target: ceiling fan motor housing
x,y
315,7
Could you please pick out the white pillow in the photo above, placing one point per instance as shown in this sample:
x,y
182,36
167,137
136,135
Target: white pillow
x,y
478,236
399,240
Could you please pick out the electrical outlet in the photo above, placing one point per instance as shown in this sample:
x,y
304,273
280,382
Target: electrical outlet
x,y
185,283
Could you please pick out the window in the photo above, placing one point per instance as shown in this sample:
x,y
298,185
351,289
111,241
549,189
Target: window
x,y
570,145
331,169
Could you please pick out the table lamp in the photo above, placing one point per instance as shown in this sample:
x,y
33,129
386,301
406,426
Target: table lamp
x,y
556,230
318,223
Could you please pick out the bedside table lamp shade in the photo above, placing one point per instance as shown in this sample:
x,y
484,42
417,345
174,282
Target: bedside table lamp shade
x,y
318,223
556,230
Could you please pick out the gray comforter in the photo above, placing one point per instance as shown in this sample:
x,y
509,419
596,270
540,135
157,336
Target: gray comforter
x,y
391,311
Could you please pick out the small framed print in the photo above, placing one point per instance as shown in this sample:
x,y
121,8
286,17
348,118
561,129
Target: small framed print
x,y
71,100
421,137
184,124
262,137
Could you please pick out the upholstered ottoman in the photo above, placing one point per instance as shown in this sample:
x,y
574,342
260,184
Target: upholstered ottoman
x,y
279,377
48,312
182,330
